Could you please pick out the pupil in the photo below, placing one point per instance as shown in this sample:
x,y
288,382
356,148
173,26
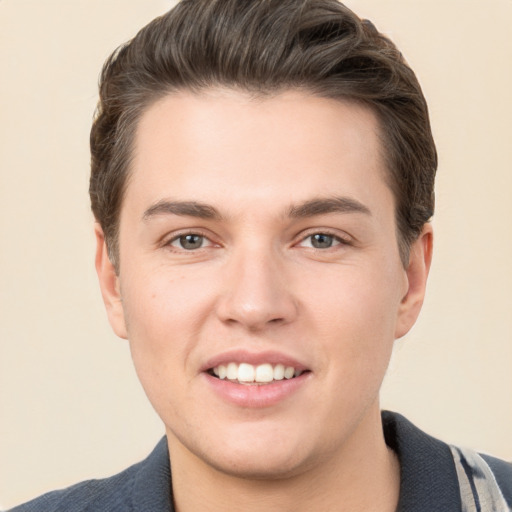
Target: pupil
x,y
191,241
321,241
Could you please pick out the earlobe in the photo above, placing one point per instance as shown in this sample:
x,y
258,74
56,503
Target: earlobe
x,y
109,285
417,271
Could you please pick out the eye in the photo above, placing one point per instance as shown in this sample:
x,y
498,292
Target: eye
x,y
190,242
321,241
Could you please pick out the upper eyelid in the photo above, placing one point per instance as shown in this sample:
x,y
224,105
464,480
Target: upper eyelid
x,y
177,237
330,232
342,237
339,241
168,239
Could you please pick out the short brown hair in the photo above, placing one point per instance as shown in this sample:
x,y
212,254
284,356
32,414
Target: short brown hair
x,y
264,47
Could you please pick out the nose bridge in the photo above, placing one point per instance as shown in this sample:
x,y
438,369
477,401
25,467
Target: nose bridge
x,y
255,292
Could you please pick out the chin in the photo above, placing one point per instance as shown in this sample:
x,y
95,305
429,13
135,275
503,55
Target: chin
x,y
252,453
267,466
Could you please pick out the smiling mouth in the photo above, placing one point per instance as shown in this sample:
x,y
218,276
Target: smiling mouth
x,y
245,373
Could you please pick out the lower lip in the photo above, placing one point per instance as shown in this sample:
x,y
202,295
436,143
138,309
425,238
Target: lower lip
x,y
256,395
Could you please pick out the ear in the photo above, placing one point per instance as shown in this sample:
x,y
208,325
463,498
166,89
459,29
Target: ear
x,y
420,258
109,285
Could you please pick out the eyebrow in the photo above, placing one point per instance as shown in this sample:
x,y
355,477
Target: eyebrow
x,y
311,208
182,208
323,206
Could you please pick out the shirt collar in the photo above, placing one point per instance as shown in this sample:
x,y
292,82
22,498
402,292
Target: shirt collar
x,y
428,478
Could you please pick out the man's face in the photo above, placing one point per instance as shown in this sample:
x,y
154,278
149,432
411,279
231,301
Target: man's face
x,y
257,237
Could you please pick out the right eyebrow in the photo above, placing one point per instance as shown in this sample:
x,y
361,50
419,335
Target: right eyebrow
x,y
182,208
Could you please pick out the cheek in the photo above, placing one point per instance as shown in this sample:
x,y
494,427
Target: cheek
x,y
357,299
163,314
357,324
161,303
159,345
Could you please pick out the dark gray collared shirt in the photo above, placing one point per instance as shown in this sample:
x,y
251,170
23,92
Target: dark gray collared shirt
x,y
428,480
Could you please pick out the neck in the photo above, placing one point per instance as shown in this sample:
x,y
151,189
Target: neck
x,y
363,476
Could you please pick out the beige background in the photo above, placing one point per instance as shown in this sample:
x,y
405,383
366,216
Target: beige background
x,y
70,405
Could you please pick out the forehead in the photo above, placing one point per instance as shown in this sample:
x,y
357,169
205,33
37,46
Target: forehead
x,y
281,148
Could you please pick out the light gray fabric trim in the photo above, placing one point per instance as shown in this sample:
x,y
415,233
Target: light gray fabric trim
x,y
479,490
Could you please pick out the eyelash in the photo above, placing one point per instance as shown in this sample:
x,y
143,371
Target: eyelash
x,y
337,240
340,240
177,237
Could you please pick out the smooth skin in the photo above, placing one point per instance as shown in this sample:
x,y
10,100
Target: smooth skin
x,y
265,225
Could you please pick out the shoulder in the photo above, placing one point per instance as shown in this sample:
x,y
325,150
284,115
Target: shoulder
x,y
502,471
105,494
440,476
486,479
143,486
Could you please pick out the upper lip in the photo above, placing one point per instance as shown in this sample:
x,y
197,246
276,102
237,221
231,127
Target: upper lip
x,y
254,358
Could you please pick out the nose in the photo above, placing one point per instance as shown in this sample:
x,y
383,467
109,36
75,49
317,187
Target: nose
x,y
257,292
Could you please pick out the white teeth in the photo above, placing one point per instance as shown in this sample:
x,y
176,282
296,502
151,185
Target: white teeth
x,y
264,373
261,374
279,372
232,371
246,372
289,372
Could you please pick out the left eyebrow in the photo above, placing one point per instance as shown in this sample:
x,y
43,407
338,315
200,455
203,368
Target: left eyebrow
x,y
323,206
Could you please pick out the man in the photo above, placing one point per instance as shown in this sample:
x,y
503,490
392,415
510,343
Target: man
x,y
262,181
